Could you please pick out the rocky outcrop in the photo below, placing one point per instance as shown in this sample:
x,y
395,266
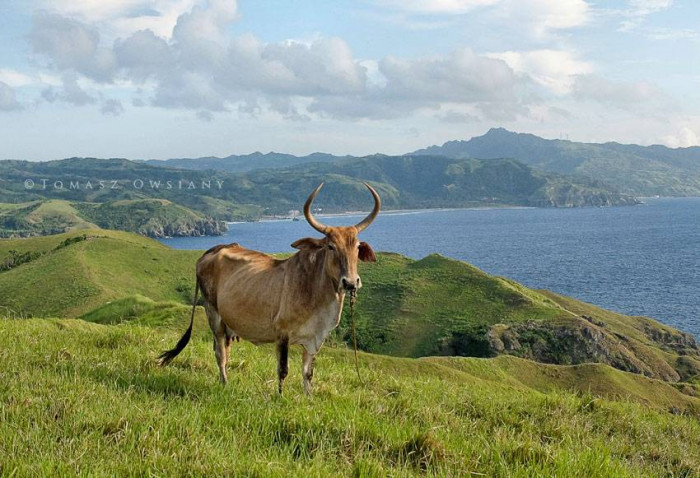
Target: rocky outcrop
x,y
572,195
192,228
576,341
674,340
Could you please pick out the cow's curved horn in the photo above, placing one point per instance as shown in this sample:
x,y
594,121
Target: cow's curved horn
x,y
307,212
372,216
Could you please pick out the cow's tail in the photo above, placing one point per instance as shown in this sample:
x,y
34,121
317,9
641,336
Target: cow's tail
x,y
166,357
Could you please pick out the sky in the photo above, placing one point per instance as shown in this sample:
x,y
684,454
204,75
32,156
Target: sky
x,y
188,78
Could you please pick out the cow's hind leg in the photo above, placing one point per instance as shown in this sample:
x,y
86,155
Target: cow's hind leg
x,y
309,360
230,336
222,341
282,361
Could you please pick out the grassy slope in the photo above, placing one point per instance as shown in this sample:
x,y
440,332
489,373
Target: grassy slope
x,y
408,305
407,308
152,217
91,401
109,265
41,217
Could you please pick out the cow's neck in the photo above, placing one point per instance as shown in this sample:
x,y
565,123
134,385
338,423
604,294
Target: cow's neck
x,y
323,289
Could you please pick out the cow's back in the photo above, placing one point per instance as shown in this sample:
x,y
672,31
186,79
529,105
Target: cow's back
x,y
244,287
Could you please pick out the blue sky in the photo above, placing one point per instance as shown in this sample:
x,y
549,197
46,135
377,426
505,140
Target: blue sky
x,y
187,78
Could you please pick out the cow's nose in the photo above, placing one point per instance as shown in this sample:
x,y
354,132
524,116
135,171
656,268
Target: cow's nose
x,y
349,284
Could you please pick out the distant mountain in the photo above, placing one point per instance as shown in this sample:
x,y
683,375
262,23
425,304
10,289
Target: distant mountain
x,y
119,194
246,162
437,181
633,169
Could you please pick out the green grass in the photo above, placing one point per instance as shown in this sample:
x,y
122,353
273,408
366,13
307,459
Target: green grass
x,y
40,218
78,398
433,306
83,396
422,302
109,265
150,217
141,310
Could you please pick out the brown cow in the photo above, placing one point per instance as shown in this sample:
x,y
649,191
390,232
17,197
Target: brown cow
x,y
263,299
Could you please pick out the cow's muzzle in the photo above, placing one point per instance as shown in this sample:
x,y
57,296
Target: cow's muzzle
x,y
350,284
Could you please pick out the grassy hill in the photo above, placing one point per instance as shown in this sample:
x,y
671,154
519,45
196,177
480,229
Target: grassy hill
x,y
98,267
40,218
86,399
150,217
434,306
633,169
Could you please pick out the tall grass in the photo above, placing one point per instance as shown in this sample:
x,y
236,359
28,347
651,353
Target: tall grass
x,y
86,399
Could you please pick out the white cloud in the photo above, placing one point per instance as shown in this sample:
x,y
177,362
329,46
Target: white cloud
x,y
450,7
119,18
8,99
15,78
143,54
624,95
202,68
535,17
461,78
645,7
464,76
541,17
638,10
71,45
553,69
684,138
18,79
70,91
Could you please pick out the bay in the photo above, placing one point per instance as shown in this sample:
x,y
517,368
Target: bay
x,y
641,260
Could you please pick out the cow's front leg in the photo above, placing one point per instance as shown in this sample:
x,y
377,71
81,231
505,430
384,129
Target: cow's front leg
x,y
282,359
309,360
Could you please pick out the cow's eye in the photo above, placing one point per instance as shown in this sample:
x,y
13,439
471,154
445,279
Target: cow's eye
x,y
330,247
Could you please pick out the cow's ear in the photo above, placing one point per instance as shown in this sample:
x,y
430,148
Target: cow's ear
x,y
367,253
308,243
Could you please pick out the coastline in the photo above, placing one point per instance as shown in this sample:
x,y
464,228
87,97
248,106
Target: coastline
x,y
387,212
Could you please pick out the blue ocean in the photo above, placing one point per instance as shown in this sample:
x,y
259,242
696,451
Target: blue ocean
x,y
642,260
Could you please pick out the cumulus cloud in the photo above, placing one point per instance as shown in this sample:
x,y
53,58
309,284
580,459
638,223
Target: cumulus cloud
x,y
541,17
70,92
556,70
202,68
684,138
143,55
463,77
8,98
120,18
71,45
15,78
112,107
624,95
